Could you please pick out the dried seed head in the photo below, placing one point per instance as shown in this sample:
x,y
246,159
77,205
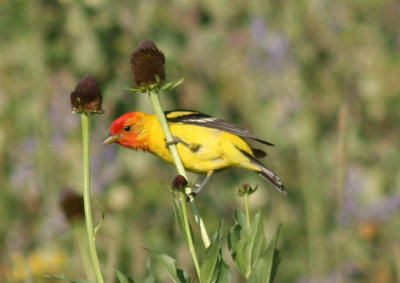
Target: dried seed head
x,y
148,64
87,96
147,44
179,182
72,205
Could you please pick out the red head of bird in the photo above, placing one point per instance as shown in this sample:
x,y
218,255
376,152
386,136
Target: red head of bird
x,y
129,130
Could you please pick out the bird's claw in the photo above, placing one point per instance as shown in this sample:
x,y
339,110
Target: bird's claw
x,y
192,147
175,140
190,196
197,188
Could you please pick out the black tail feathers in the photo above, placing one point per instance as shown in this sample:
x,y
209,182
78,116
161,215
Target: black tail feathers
x,y
273,178
267,174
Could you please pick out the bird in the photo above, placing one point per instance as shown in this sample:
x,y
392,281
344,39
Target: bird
x,y
205,144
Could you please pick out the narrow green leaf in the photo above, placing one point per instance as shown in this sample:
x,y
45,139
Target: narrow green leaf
x,y
250,246
101,219
66,278
178,213
179,217
209,265
259,274
150,278
183,276
169,263
267,264
136,89
240,218
224,275
233,240
272,256
122,278
235,231
172,84
213,267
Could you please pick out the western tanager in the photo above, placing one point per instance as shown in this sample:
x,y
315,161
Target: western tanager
x,y
205,144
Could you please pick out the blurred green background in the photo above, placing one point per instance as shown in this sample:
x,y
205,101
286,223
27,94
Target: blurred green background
x,y
319,79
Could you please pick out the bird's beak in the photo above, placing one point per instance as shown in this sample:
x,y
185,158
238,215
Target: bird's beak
x,y
110,139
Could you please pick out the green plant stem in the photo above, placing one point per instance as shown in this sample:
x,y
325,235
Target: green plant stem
x,y
79,237
155,100
246,203
85,120
199,220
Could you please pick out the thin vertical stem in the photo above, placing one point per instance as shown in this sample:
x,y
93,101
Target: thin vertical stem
x,y
79,237
341,157
85,120
188,233
246,203
340,181
155,100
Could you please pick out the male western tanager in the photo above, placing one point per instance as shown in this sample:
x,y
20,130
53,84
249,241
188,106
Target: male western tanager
x,y
205,144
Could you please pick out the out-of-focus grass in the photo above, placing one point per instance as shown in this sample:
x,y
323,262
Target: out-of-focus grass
x,y
284,69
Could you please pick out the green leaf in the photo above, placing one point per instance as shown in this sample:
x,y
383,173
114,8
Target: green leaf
x,y
262,272
267,264
172,84
150,278
235,231
122,278
169,263
240,218
272,256
66,278
259,274
209,264
224,275
183,276
179,217
213,267
250,246
136,89
233,240
178,213
101,219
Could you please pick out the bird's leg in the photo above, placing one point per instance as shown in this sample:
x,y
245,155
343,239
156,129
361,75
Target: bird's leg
x,y
192,147
205,181
176,140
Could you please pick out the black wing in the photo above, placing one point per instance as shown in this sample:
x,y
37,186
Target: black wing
x,y
200,119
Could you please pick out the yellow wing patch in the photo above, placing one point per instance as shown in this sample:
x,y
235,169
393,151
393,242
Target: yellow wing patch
x,y
175,114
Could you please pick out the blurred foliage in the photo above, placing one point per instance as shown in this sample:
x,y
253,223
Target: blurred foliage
x,y
320,79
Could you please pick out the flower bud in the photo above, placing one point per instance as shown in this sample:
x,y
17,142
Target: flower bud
x,y
87,96
179,182
246,189
148,64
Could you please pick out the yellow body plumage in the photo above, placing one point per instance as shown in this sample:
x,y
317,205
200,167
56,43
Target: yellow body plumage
x,y
209,149
205,144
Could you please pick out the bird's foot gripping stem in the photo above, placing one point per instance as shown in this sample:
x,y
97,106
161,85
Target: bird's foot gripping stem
x,y
196,188
176,140
192,147
199,187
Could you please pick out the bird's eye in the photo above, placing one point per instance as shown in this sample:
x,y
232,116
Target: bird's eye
x,y
127,128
